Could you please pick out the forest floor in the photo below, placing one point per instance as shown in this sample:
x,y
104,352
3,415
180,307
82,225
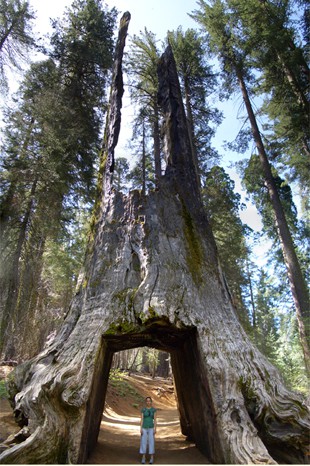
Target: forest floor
x,y
119,437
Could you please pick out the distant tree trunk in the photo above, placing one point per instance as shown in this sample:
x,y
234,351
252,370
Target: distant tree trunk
x,y
29,323
295,275
145,366
116,361
157,283
163,364
153,363
9,324
134,361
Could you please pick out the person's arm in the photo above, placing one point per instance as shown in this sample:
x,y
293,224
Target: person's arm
x,y
141,422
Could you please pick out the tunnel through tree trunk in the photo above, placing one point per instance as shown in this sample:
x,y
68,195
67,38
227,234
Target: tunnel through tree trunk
x,y
196,418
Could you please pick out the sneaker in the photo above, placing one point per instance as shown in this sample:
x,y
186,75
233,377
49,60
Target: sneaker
x,y
151,461
143,461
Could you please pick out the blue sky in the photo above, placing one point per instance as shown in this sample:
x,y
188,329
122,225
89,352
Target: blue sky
x,y
157,16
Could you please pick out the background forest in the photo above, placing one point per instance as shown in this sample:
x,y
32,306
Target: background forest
x,y
50,161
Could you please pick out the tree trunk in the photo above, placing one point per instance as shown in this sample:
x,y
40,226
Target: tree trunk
x,y
191,131
249,279
153,279
156,138
145,365
163,364
295,275
143,160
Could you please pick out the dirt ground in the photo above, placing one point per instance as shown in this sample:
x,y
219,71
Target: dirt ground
x,y
119,437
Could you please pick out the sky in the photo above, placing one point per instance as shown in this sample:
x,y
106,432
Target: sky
x,y
158,17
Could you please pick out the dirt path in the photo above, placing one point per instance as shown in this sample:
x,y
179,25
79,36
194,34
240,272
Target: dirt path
x,y
119,438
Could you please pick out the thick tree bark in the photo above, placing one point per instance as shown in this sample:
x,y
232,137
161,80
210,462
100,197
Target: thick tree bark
x,y
156,139
191,131
113,123
295,276
143,160
153,279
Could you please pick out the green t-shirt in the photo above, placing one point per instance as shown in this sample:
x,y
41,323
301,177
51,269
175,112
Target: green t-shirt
x,y
148,417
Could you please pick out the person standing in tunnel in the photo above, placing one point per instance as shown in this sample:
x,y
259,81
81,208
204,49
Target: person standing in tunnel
x,y
148,430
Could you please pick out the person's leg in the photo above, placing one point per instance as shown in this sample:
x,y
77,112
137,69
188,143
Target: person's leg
x,y
151,445
143,444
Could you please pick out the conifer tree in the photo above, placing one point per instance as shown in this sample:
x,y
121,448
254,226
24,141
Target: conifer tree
x,y
16,36
141,66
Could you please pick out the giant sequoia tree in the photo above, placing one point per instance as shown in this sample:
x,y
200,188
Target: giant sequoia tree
x,y
152,278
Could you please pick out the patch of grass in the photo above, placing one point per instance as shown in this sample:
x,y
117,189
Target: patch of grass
x,y
122,387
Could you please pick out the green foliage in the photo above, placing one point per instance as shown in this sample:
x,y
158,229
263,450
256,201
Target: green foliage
x,y
62,260
3,390
121,173
83,47
263,39
254,183
223,205
276,49
141,66
264,321
289,356
152,360
116,375
142,174
274,327
122,387
16,36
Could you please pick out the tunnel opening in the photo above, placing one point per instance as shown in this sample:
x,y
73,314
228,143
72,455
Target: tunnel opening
x,y
197,417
